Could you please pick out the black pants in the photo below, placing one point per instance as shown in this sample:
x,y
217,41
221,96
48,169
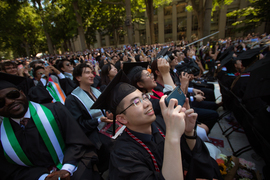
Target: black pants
x,y
205,105
207,116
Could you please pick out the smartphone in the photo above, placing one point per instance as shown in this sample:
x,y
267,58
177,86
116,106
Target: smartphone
x,y
76,61
167,58
46,64
178,94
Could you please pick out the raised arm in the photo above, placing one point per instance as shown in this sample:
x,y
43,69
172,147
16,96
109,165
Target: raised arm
x,y
175,127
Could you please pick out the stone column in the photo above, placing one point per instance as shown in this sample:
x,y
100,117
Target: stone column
x,y
72,44
107,40
174,21
137,33
243,4
126,39
261,28
147,30
161,25
79,43
98,37
222,21
189,24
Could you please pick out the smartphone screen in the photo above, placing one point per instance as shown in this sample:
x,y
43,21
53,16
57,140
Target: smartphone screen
x,y
177,94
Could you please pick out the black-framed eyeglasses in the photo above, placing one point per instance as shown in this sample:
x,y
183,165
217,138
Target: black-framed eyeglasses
x,y
137,101
13,94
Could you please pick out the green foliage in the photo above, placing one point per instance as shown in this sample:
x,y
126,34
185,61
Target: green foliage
x,y
158,3
20,28
189,8
253,15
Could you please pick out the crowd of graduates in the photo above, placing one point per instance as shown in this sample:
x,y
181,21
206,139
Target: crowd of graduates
x,y
106,109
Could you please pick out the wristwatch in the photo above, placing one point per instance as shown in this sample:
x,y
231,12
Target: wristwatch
x,y
191,137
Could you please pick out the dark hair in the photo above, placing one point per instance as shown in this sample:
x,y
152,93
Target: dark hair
x,y
78,70
33,63
7,63
118,65
36,69
154,68
120,108
175,52
137,58
104,73
185,51
135,76
138,78
60,64
101,63
113,57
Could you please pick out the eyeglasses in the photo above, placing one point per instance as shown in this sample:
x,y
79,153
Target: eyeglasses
x,y
68,64
136,102
151,75
14,94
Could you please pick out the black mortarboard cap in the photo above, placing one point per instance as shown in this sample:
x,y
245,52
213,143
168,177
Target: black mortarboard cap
x,y
9,80
248,56
225,53
162,52
227,59
259,63
132,68
114,93
259,83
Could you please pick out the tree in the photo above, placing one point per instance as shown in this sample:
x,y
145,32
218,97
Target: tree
x,y
255,14
80,23
41,10
20,28
203,10
150,4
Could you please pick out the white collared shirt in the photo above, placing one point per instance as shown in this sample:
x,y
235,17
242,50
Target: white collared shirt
x,y
27,115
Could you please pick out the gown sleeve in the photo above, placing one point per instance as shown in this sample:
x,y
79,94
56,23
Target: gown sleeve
x,y
199,162
77,110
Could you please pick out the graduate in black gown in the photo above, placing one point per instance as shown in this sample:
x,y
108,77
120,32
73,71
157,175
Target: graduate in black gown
x,y
142,151
91,121
78,156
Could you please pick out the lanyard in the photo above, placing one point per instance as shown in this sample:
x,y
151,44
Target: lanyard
x,y
145,147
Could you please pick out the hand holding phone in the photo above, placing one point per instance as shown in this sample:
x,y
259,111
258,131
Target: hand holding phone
x,y
177,94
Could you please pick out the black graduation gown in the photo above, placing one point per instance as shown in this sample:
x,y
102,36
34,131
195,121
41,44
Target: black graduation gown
x,y
81,115
26,85
39,94
102,142
175,78
67,85
130,160
77,146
